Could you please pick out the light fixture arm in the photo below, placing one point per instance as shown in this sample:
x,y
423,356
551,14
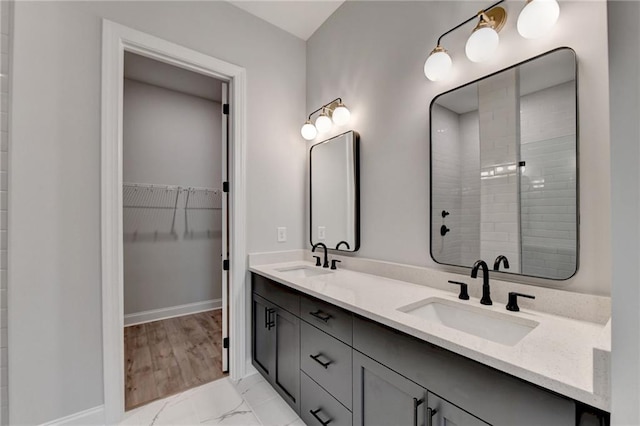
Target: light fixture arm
x,y
482,12
328,105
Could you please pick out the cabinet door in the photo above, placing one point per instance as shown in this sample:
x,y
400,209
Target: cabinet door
x,y
263,323
286,376
382,397
443,413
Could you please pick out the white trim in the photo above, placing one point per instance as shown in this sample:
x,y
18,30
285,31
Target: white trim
x,y
171,312
224,246
115,40
250,369
92,416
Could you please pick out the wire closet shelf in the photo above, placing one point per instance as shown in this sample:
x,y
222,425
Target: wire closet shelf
x,y
150,210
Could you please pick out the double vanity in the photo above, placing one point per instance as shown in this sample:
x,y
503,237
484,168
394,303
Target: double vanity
x,y
362,342
347,347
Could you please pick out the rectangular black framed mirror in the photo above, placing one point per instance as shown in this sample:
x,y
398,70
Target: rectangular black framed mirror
x,y
334,177
504,175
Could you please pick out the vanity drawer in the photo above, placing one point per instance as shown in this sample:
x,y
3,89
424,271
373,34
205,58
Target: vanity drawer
x,y
328,318
327,361
276,293
316,400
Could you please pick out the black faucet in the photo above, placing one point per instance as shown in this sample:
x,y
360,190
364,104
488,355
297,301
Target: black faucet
x,y
326,256
486,291
502,258
513,301
343,242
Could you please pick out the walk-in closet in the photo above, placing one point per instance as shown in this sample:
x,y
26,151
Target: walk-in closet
x,y
174,229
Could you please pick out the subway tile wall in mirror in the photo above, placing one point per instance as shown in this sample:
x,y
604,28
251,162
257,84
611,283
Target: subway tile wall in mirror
x,y
503,169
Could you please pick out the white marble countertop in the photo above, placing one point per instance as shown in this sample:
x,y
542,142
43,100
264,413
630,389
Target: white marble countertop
x,y
558,354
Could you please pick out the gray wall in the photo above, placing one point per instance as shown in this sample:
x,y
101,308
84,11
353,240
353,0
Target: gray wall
x,y
4,167
624,60
171,138
377,52
54,211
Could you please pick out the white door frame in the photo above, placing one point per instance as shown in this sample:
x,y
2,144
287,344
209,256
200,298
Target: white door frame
x,y
116,39
224,249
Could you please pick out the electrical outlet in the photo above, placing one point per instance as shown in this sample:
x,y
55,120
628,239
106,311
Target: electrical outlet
x,y
322,232
282,234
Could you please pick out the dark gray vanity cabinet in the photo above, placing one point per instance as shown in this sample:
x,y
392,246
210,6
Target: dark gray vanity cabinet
x,y
444,413
405,402
264,353
287,348
276,343
483,392
318,407
383,397
334,367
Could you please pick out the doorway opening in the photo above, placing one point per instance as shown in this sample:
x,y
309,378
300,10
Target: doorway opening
x,y
116,41
175,239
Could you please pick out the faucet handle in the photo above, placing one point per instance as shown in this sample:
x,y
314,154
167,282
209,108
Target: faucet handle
x,y
317,258
464,295
333,263
512,305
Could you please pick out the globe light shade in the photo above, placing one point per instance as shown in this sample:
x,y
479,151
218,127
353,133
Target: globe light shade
x,y
481,45
341,115
308,131
537,18
438,65
323,123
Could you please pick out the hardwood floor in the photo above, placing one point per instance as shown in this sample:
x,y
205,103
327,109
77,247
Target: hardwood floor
x,y
169,356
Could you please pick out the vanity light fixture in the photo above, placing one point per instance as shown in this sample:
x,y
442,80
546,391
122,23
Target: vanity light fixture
x,y
334,111
535,20
341,114
309,131
484,40
438,64
323,122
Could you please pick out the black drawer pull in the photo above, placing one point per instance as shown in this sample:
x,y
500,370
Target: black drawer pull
x,y
269,323
416,403
266,317
322,316
314,413
430,413
324,364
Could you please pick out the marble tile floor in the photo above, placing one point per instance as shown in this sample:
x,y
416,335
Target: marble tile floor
x,y
248,402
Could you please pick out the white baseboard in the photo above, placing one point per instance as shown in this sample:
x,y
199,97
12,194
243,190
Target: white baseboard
x,y
250,370
90,417
171,312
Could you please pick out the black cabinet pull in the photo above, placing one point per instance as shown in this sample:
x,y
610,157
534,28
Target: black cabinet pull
x,y
430,413
324,364
266,317
322,316
314,413
416,403
269,323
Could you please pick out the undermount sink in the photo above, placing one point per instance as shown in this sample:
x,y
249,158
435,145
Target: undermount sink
x,y
497,327
303,271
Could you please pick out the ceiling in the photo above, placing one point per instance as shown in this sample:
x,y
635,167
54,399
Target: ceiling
x,y
298,17
170,77
544,72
